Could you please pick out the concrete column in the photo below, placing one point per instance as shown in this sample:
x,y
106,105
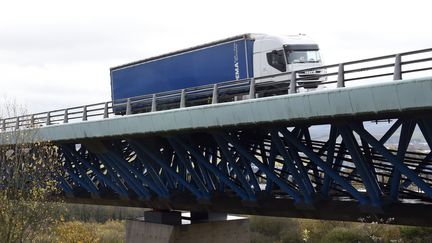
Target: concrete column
x,y
212,230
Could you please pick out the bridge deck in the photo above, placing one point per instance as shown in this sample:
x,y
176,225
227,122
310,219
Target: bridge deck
x,y
374,99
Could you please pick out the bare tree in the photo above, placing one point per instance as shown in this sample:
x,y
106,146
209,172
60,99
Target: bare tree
x,y
28,180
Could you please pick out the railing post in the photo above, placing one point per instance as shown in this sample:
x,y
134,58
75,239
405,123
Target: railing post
x,y
3,127
252,89
48,118
32,120
293,83
341,76
397,75
17,123
183,99
128,107
105,114
215,94
153,105
84,115
66,116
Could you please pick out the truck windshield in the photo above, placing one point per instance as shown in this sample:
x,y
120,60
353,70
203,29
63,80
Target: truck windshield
x,y
303,56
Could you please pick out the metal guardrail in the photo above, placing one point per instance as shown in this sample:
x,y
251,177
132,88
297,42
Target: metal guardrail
x,y
290,82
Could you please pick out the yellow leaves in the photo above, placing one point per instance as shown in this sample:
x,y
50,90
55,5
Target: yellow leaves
x,y
70,232
28,174
306,235
9,153
89,232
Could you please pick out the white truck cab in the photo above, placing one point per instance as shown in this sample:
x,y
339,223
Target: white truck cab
x,y
278,54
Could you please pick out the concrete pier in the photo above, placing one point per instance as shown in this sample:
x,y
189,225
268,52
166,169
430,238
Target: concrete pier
x,y
203,229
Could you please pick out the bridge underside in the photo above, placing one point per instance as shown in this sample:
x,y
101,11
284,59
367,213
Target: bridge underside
x,y
343,170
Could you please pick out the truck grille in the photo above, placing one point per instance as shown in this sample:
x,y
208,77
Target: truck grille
x,y
309,75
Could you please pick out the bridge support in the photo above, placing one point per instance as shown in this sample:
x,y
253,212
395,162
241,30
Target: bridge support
x,y
175,227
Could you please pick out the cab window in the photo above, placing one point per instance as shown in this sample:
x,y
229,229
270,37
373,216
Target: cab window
x,y
276,59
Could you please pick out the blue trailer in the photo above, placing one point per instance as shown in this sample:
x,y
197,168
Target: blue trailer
x,y
237,58
226,60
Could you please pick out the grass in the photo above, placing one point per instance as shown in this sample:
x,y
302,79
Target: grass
x,y
263,230
112,231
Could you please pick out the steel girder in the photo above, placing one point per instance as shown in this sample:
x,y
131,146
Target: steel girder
x,y
350,165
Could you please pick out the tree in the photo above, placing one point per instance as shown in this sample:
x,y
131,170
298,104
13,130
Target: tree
x,y
28,180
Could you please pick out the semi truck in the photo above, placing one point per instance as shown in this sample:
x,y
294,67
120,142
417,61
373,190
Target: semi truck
x,y
236,58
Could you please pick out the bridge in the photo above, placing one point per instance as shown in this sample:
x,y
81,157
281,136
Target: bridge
x,y
258,147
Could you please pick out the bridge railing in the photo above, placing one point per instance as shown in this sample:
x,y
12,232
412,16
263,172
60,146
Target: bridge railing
x,y
394,67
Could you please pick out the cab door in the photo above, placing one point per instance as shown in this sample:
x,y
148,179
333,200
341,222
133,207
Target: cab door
x,y
275,62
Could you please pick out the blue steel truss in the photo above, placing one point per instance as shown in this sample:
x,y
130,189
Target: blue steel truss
x,y
258,165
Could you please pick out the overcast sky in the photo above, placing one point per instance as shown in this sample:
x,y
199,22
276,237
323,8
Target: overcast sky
x,y
55,54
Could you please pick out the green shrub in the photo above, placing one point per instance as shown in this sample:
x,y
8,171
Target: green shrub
x,y
260,238
416,234
341,235
267,229
314,230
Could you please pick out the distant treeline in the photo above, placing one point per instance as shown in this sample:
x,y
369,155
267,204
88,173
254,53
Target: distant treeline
x,y
100,214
